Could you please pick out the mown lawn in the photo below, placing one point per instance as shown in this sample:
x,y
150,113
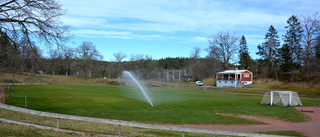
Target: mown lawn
x,y
171,105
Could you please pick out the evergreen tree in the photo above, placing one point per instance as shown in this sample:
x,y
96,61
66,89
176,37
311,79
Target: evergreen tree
x,y
268,50
285,60
244,53
292,39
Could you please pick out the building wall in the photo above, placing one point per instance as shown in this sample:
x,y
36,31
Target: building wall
x,y
249,78
246,79
227,83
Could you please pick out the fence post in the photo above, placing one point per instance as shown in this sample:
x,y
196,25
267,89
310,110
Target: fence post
x,y
25,101
182,133
58,122
119,130
271,97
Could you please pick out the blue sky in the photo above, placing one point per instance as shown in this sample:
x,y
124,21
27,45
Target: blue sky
x,y
172,28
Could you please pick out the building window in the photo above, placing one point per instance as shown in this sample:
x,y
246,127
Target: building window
x,y
246,75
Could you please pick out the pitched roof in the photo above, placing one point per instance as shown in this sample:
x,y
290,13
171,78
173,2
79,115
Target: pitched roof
x,y
233,71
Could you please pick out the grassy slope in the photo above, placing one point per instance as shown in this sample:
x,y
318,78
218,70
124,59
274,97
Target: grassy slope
x,y
14,130
82,126
172,105
50,79
305,89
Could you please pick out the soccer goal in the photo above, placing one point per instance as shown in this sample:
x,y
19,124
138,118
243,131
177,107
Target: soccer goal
x,y
281,98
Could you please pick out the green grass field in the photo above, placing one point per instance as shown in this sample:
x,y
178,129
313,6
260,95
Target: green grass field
x,y
171,105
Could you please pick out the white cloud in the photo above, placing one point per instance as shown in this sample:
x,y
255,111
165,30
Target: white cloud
x,y
165,16
99,32
203,17
200,39
111,34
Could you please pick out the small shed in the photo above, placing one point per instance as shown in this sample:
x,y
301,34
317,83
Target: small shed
x,y
234,78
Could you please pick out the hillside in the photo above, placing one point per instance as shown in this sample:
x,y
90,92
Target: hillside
x,y
27,78
305,89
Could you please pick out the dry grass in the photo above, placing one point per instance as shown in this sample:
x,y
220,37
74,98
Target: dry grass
x,y
27,78
307,89
209,81
19,130
91,127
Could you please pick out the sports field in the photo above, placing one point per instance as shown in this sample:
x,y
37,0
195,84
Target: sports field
x,y
171,105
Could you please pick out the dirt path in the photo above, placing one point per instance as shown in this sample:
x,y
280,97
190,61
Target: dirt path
x,y
1,94
310,128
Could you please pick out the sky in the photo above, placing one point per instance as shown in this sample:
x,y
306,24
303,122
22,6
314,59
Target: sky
x,y
172,28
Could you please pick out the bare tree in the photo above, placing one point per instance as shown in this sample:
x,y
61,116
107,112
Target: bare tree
x,y
119,56
32,20
87,54
55,56
222,47
68,56
195,53
311,29
133,57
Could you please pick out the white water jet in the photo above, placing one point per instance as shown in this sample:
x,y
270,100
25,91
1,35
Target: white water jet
x,y
139,85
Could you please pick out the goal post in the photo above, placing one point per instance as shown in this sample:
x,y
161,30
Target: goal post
x,y
281,98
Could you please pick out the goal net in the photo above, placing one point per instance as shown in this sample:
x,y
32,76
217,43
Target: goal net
x,y
281,98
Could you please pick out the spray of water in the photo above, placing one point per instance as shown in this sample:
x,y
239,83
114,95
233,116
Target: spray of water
x,y
139,85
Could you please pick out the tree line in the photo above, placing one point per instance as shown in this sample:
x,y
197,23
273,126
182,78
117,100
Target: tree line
x,y
26,24
298,57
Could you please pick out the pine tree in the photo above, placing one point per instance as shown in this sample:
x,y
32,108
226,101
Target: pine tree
x,y
244,53
293,38
268,50
285,60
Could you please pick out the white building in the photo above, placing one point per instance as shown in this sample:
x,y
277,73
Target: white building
x,y
234,78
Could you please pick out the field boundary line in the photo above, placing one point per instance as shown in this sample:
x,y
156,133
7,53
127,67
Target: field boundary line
x,y
132,124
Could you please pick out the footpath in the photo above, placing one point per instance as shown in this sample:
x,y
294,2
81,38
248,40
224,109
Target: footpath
x,y
133,124
310,128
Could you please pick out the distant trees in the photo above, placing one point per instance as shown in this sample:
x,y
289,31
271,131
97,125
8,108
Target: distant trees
x,y
119,56
223,46
68,55
55,57
29,56
25,23
195,53
87,55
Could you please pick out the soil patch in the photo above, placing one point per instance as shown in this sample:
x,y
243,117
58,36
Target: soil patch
x,y
310,128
